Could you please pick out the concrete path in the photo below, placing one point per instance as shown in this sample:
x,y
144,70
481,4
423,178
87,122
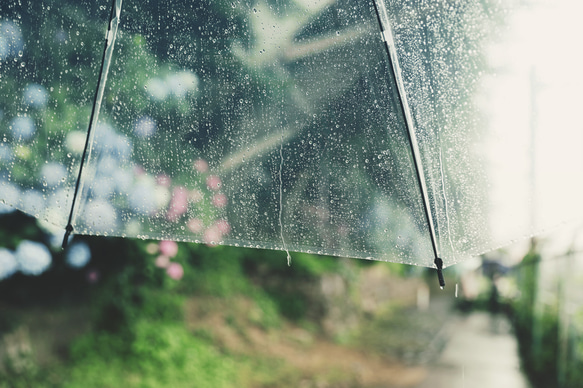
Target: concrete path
x,y
481,352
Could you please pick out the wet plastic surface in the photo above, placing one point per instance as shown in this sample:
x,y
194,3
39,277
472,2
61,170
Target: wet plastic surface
x,y
280,125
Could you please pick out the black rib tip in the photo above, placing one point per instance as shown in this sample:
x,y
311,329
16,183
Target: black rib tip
x,y
439,264
68,231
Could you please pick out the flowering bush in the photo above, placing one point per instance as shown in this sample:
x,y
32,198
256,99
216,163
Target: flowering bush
x,y
132,185
168,250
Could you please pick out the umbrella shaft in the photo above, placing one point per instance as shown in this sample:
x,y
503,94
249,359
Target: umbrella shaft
x,y
99,91
387,37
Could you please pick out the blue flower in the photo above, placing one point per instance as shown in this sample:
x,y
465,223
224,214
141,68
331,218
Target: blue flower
x,y
22,127
102,187
107,165
75,142
36,96
33,258
52,174
11,42
4,47
105,137
145,126
6,154
78,255
9,195
108,141
157,89
123,180
181,83
100,216
142,199
8,263
32,202
61,36
122,148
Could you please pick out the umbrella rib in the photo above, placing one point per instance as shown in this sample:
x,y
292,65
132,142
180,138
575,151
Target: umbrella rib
x,y
389,43
99,91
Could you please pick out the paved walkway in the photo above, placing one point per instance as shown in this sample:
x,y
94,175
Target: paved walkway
x,y
481,352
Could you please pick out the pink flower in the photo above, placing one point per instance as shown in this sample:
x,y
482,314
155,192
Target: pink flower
x,y
163,180
168,248
195,225
175,271
213,182
201,165
178,203
139,170
212,236
219,200
223,226
162,261
92,276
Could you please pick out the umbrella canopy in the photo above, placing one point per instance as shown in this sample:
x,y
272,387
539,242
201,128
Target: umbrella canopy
x,y
403,131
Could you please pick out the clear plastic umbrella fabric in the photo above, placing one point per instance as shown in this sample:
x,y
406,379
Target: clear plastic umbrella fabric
x,y
289,125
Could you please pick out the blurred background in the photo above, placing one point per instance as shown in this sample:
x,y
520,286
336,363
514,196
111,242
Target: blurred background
x,y
122,312
248,128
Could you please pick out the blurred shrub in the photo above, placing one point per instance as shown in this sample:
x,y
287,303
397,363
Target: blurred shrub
x,y
537,334
161,354
138,335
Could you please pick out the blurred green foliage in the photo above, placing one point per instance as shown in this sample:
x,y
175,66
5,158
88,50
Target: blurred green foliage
x,y
537,331
161,354
138,335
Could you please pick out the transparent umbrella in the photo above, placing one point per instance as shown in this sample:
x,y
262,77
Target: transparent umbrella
x,y
404,131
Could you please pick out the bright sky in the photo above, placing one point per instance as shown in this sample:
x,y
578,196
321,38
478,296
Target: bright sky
x,y
538,77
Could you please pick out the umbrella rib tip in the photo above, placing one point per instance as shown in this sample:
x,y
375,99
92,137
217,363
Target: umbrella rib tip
x,y
68,231
439,264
